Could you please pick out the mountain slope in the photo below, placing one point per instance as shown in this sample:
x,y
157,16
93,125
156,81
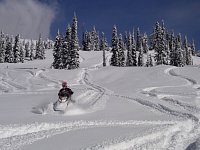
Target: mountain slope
x,y
116,108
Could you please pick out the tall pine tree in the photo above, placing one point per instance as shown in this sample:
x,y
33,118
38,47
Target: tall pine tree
x,y
103,48
9,56
188,54
74,55
178,52
16,49
2,48
140,56
31,50
57,52
40,53
115,48
121,52
159,45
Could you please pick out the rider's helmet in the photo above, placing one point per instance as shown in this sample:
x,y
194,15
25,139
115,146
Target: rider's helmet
x,y
64,84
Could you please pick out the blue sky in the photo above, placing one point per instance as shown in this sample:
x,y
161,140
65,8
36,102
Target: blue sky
x,y
179,15
32,17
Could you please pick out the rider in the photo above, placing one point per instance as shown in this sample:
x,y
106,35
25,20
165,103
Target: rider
x,y
65,91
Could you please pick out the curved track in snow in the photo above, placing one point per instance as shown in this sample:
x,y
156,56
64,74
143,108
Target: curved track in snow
x,y
178,136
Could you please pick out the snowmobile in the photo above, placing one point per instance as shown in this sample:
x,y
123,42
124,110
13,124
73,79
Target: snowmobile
x,y
62,103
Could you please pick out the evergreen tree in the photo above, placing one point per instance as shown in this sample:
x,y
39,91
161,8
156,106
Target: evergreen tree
x,y
66,48
95,40
167,60
145,43
86,43
159,45
138,39
12,40
84,38
31,50
103,48
2,48
126,40
188,55
140,56
193,49
131,52
178,52
27,49
68,36
9,56
149,62
21,53
40,54
23,43
74,55
129,60
121,52
115,48
57,52
172,49
16,49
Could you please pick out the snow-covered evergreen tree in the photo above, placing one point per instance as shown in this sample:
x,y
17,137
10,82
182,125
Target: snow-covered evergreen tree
x,y
16,49
22,55
40,53
193,49
167,59
66,48
172,49
9,56
115,48
134,53
159,45
27,49
31,50
2,48
95,40
125,40
178,52
149,62
74,55
140,56
145,43
57,52
12,40
138,39
187,50
129,60
121,52
86,41
103,48
131,51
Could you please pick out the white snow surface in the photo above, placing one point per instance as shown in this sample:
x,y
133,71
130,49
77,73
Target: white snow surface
x,y
122,108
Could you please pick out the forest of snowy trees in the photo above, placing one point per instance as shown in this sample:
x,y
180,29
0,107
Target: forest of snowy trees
x,y
130,49
161,47
16,50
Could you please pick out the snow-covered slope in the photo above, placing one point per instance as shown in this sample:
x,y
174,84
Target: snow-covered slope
x,y
116,108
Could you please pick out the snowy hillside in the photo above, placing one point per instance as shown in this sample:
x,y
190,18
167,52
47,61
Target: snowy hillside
x,y
116,107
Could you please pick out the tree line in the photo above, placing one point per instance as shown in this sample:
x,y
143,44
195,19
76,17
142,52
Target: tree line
x,y
17,50
167,48
161,47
